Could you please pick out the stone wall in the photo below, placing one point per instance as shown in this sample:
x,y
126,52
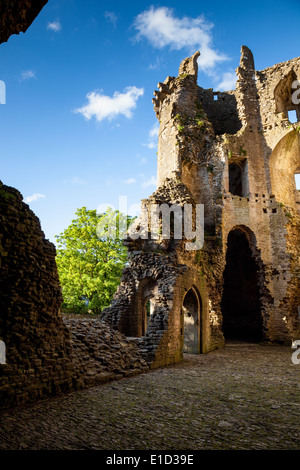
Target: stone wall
x,y
203,143
163,271
270,145
236,154
38,349
45,353
100,354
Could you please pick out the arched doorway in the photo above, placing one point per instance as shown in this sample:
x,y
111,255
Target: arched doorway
x,y
240,305
191,322
136,320
148,311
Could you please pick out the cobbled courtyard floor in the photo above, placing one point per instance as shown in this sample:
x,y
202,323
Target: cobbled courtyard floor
x,y
244,396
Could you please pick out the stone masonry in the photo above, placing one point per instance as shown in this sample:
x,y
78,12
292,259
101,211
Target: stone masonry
x,y
236,153
45,353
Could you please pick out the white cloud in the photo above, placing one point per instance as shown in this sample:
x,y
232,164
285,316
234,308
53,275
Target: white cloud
x,y
34,197
161,28
153,136
150,182
142,160
228,81
78,180
154,130
102,106
130,181
54,26
27,74
156,64
111,17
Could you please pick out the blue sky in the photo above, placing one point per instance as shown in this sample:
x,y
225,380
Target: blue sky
x,y
78,127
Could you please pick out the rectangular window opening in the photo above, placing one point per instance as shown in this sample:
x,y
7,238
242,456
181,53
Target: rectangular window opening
x,y
238,178
292,115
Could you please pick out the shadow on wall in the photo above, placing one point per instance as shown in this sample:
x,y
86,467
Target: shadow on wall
x,y
284,164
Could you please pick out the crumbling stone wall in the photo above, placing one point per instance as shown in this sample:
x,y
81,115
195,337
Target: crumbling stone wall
x,y
100,354
38,350
45,353
153,266
204,144
270,208
236,153
164,265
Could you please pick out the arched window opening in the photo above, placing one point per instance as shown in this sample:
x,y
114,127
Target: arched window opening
x,y
148,308
191,323
138,318
145,304
283,95
148,312
240,304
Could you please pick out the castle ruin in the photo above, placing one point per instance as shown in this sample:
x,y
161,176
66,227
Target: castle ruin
x,y
236,153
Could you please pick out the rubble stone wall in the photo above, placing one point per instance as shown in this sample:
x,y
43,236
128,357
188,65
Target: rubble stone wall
x,y
47,354
38,350
236,153
209,150
101,354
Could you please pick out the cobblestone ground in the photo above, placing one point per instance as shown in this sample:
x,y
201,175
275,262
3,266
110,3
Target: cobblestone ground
x,y
244,396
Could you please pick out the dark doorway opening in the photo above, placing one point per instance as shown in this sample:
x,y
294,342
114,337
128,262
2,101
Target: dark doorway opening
x,y
240,301
238,178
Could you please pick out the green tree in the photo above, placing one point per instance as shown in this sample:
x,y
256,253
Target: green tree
x,y
90,261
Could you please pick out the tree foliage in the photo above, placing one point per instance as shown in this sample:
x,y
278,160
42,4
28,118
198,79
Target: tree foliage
x,y
89,261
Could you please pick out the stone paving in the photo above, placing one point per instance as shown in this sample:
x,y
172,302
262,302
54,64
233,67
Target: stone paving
x,y
244,396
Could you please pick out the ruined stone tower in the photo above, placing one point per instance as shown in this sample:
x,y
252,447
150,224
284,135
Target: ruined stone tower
x,y
235,153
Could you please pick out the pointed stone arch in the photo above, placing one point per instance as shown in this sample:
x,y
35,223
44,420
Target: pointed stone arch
x,y
136,324
192,321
